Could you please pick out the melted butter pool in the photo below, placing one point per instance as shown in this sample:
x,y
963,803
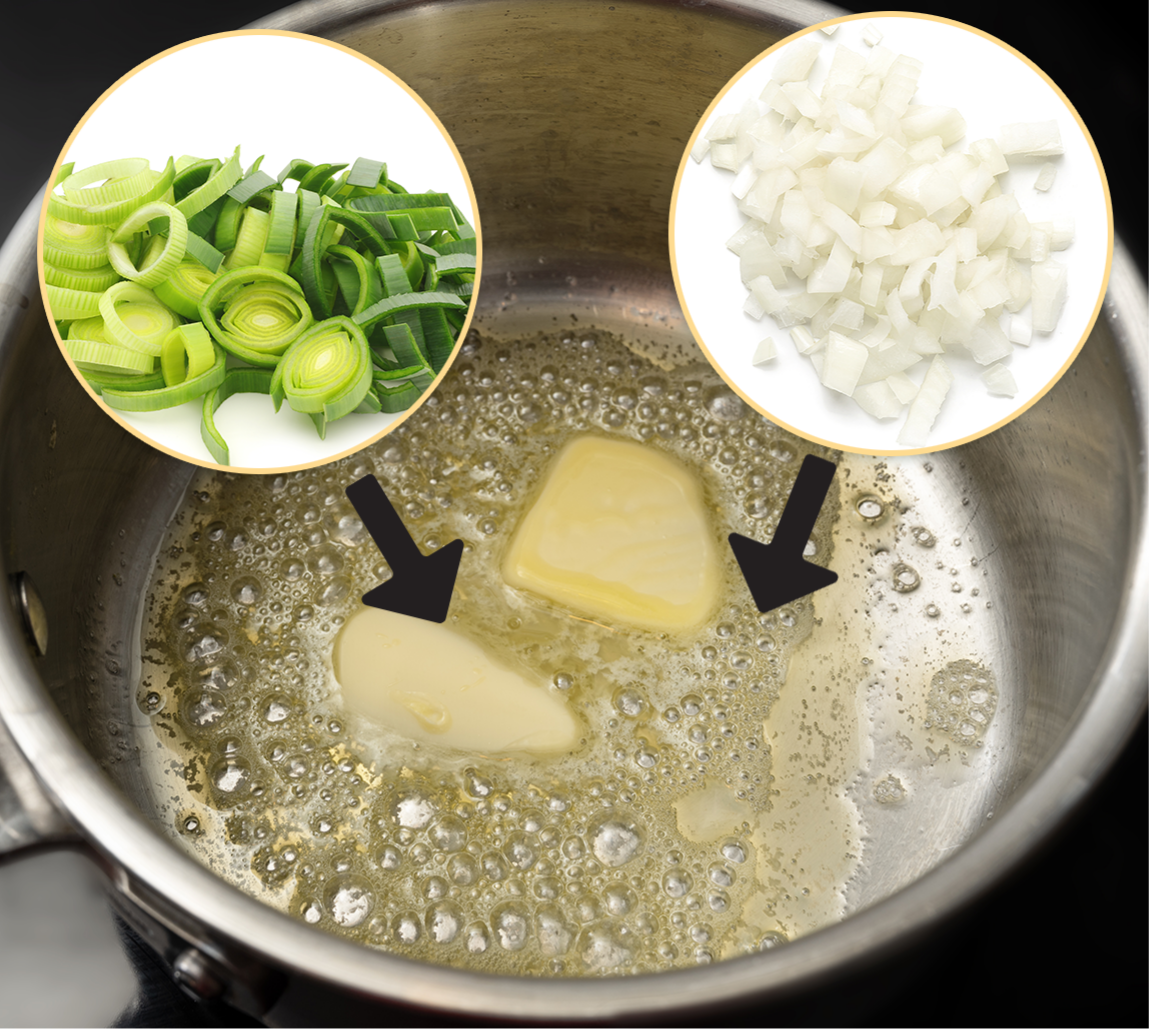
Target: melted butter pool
x,y
701,797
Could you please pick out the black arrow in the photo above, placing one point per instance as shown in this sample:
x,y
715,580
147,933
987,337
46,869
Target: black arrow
x,y
420,585
776,572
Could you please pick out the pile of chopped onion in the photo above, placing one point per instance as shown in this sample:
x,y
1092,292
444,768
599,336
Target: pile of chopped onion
x,y
194,283
907,252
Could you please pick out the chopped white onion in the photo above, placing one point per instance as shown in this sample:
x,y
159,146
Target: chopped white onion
x,y
765,351
903,387
1030,139
1049,292
906,247
843,362
1045,177
878,400
925,406
999,380
1019,331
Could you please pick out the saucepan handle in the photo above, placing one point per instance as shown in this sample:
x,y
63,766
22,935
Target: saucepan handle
x,y
29,821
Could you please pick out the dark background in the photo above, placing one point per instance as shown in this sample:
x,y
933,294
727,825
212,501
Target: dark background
x,y
1063,941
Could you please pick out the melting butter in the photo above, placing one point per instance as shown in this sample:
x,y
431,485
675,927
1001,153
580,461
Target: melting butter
x,y
433,685
619,530
710,813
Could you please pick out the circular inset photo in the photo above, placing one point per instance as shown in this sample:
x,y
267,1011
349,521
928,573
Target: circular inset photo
x,y
260,250
891,234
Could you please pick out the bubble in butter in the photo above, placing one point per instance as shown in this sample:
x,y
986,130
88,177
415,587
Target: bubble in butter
x,y
432,684
618,531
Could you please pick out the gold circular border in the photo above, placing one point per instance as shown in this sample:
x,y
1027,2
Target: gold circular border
x,y
905,452
213,465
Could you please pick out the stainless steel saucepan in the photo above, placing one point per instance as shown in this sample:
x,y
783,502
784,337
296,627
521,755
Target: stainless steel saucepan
x,y
571,116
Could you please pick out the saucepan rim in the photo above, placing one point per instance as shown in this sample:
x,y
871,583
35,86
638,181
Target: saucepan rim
x,y
155,873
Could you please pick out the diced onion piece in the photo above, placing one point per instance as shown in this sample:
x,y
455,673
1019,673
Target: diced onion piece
x,y
722,128
999,380
925,406
725,155
922,122
803,340
800,95
768,298
878,400
843,363
765,351
1019,331
1049,292
843,226
847,314
988,343
796,61
989,154
870,34
743,181
879,333
844,181
1061,234
875,213
904,388
887,361
758,258
1030,139
1045,177
831,273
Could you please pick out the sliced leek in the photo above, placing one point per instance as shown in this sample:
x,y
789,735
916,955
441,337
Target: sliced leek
x,y
255,313
185,287
239,380
80,212
343,295
135,318
68,245
326,371
156,267
187,353
86,280
91,355
67,304
169,396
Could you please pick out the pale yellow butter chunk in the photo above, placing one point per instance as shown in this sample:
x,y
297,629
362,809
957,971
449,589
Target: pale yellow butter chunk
x,y
433,685
619,531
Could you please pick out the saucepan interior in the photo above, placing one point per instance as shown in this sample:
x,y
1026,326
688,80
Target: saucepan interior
x,y
571,117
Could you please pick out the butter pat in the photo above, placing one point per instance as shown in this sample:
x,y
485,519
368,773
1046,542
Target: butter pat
x,y
618,531
435,686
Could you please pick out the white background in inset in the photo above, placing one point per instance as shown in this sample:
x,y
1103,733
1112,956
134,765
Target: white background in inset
x,y
991,87
284,97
